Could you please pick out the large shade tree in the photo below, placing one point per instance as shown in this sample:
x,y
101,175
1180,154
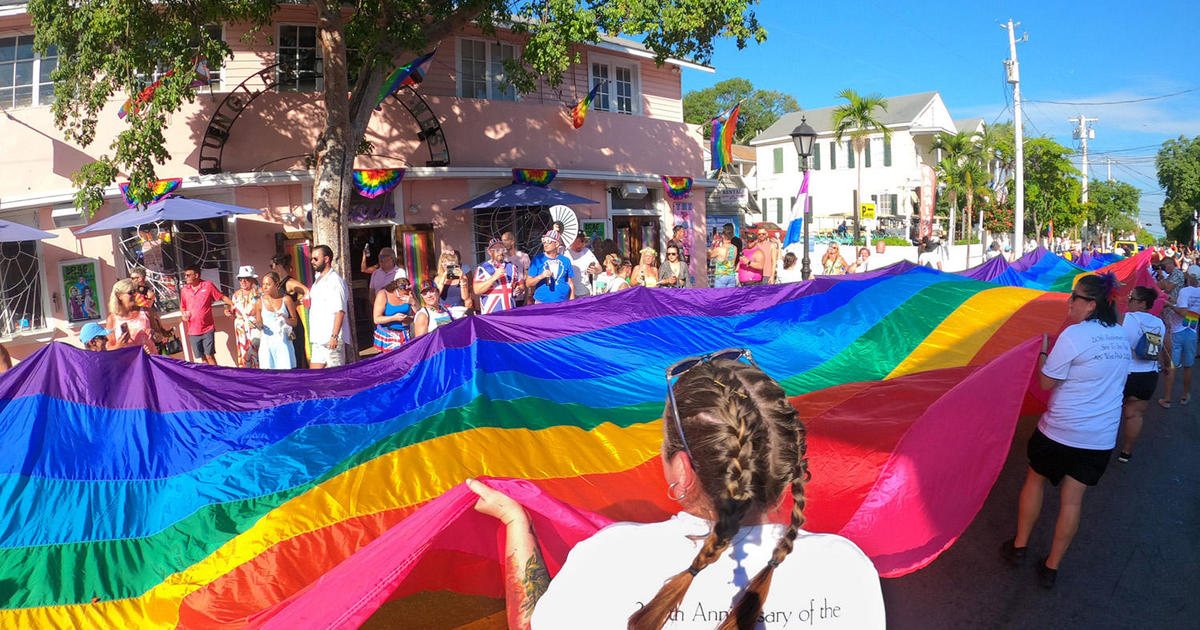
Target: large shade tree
x,y
1178,165
859,117
110,47
760,108
1052,188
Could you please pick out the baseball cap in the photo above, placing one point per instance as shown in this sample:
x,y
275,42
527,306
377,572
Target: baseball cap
x,y
91,330
428,285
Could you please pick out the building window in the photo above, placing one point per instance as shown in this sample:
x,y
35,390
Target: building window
x,y
849,154
481,71
300,68
216,73
21,306
621,94
167,249
25,75
815,158
832,156
778,155
887,151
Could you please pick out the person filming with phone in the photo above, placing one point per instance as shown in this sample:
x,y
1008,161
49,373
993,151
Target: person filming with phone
x,y
455,292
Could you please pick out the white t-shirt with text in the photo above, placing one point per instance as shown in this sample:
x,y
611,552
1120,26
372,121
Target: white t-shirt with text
x,y
1092,360
826,582
1135,324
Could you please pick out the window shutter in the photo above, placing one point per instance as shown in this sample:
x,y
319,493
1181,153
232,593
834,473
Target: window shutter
x,y
894,199
779,211
849,154
778,160
815,158
832,156
887,151
867,155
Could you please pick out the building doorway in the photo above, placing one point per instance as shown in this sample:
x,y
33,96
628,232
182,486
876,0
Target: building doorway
x,y
632,233
368,240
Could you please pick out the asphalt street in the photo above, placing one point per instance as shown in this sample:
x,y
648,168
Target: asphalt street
x,y
1135,562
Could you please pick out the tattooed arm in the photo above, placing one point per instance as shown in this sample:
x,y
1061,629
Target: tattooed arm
x,y
525,574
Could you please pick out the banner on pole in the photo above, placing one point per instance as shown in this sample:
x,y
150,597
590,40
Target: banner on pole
x,y
928,190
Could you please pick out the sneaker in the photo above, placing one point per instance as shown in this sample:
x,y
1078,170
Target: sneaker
x,y
1123,457
1185,399
1045,575
1164,403
1014,556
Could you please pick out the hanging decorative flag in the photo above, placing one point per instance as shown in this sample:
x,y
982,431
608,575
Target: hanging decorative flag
x,y
579,112
410,73
677,187
158,190
135,103
203,74
723,128
534,176
795,224
373,182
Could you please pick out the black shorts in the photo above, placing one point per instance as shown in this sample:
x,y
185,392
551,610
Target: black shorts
x,y
1055,461
1141,385
203,345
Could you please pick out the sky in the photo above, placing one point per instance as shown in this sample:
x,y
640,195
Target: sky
x,y
1078,54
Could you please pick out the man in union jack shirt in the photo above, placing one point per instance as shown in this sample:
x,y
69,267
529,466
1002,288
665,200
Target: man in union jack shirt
x,y
498,283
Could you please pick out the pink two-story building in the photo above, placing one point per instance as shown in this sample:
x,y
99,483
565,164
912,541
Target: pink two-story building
x,y
245,141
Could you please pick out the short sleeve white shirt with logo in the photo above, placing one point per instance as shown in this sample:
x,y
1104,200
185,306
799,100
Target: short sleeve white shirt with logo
x,y
1135,325
1093,361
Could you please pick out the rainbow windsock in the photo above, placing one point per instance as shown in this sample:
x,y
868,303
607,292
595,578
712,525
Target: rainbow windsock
x,y
579,112
143,492
374,182
410,73
723,129
158,190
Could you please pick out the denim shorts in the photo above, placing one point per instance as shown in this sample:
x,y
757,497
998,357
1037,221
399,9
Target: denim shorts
x,y
1183,347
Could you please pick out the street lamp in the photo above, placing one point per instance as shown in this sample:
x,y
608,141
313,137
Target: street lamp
x,y
803,137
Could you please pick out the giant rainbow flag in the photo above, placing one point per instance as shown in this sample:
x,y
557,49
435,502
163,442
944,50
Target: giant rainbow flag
x,y
143,492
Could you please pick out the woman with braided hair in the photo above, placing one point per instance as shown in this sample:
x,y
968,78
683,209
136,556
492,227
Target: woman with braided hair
x,y
733,448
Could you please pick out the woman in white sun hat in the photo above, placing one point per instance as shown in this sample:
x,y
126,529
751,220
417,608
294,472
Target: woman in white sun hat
x,y
245,301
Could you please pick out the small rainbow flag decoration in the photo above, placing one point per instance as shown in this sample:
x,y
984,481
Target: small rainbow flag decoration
x,y
158,190
410,73
1192,320
534,176
723,128
677,187
579,112
373,182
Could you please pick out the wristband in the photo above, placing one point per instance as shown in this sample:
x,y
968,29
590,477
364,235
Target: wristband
x,y
1044,352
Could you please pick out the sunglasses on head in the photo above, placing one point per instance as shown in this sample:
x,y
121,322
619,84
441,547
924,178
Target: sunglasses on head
x,y
681,367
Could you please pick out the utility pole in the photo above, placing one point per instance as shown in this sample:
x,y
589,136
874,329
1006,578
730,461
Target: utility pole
x,y
1108,161
1082,133
1014,77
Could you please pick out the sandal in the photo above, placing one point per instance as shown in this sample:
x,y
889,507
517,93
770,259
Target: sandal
x,y
1124,456
1164,403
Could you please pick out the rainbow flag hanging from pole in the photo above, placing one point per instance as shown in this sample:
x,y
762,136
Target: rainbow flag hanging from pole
x,y
579,112
723,128
410,73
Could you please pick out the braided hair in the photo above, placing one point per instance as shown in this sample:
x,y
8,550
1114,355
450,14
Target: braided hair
x,y
747,446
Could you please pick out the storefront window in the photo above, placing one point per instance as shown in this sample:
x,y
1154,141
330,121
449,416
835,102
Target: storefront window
x,y
167,248
20,288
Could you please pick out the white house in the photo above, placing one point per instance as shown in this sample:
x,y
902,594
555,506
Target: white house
x,y
891,175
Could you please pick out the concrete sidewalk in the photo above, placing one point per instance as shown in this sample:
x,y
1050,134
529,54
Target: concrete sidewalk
x,y
1135,562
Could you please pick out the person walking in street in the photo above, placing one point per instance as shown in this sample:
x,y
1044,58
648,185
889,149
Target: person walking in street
x,y
1140,325
1183,310
497,283
281,265
393,315
196,299
584,265
723,253
549,275
276,316
329,329
1074,439
245,323
432,314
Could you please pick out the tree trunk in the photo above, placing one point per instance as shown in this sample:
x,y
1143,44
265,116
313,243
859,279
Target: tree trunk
x,y
953,214
858,196
967,231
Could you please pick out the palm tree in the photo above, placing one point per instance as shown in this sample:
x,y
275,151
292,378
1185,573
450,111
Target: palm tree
x,y
857,117
958,149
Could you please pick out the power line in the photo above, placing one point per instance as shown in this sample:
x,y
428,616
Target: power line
x,y
1132,100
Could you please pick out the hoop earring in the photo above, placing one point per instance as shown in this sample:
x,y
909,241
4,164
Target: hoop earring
x,y
671,488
